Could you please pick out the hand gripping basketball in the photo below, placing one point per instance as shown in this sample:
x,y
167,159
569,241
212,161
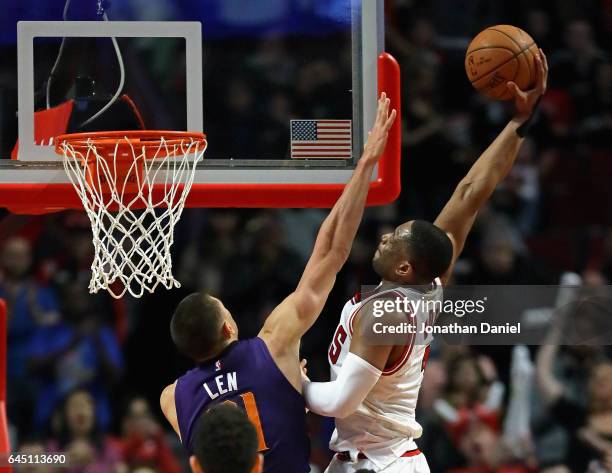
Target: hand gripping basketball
x,y
526,101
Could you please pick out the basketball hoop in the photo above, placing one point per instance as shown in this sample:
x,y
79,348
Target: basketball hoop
x,y
133,186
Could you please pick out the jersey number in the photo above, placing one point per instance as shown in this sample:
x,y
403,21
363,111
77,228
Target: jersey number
x,y
336,346
250,406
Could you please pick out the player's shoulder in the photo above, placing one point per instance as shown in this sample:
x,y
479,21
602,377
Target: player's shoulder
x,y
246,347
386,303
427,291
254,343
365,296
238,352
166,398
247,354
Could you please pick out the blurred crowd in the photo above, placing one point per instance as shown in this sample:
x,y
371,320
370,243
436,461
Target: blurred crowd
x,y
85,372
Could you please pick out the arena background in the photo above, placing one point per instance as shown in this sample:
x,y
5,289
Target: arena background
x,y
552,215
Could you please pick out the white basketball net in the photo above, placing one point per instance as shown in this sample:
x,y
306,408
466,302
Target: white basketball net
x,y
133,214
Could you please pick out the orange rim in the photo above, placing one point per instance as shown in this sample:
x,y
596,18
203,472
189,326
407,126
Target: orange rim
x,y
108,141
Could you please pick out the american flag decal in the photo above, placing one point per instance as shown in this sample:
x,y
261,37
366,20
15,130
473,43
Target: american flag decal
x,y
321,139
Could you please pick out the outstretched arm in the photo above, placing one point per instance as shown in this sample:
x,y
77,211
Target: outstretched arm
x,y
363,365
296,314
459,214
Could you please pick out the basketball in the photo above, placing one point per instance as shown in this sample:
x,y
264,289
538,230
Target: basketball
x,y
500,54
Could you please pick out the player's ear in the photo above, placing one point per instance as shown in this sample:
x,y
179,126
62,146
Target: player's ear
x,y
195,465
227,330
258,467
403,269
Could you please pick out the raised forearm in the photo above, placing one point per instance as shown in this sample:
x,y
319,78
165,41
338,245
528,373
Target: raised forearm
x,y
459,214
340,227
292,318
491,167
338,231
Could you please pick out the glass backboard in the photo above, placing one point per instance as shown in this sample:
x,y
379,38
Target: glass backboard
x,y
285,91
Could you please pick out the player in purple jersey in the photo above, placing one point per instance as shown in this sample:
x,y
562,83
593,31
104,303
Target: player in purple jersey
x,y
263,375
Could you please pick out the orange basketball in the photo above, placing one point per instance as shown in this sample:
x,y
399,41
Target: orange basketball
x,y
500,54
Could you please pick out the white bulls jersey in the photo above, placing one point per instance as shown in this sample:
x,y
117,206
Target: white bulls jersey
x,y
384,426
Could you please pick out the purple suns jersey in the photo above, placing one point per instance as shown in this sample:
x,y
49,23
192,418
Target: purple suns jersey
x,y
246,375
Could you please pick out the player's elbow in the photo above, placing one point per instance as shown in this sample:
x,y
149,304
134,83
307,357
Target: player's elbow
x,y
309,302
473,192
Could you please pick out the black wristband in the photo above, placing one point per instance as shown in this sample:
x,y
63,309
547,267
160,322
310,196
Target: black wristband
x,y
524,128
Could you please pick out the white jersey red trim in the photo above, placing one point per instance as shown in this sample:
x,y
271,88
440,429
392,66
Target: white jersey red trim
x,y
384,426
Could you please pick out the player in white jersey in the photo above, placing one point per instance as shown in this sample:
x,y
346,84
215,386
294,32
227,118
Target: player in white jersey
x,y
389,407
374,386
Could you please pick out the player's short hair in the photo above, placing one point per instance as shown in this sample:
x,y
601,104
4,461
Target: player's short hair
x,y
225,441
365,470
429,249
195,327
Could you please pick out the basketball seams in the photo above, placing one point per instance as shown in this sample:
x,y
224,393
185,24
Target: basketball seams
x,y
518,67
532,74
495,68
470,51
499,95
528,50
521,48
511,38
516,54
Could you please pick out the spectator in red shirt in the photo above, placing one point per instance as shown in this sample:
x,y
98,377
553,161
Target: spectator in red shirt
x,y
79,436
143,443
